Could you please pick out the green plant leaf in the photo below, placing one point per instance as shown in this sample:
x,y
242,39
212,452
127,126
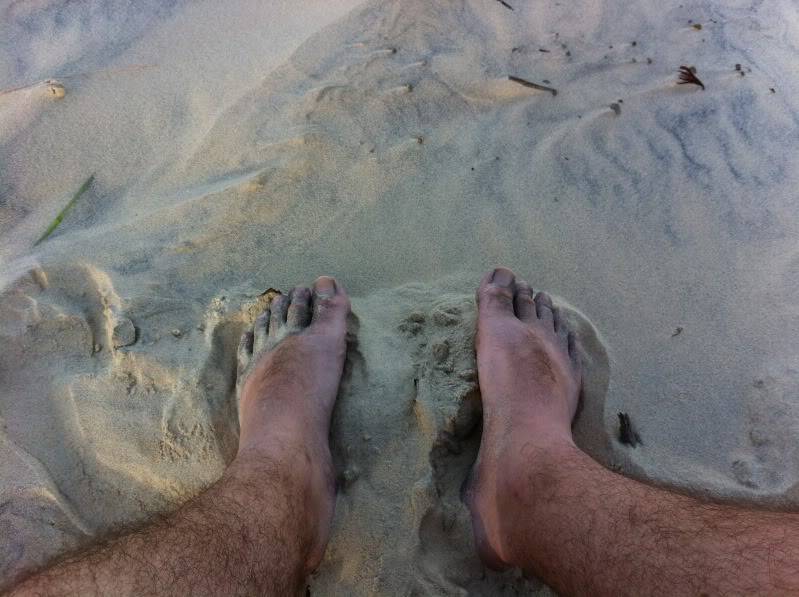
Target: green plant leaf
x,y
58,219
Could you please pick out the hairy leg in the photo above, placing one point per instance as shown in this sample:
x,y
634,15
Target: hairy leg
x,y
264,525
541,504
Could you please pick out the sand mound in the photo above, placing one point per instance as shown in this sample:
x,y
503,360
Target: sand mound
x,y
241,146
127,434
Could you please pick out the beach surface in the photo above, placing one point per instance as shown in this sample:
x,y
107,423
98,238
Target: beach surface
x,y
243,146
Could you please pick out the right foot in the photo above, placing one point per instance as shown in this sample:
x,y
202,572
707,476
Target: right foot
x,y
290,366
529,375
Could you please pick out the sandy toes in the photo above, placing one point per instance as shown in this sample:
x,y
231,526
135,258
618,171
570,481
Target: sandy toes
x,y
291,365
530,378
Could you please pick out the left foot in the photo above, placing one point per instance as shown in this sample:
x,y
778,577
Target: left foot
x,y
291,364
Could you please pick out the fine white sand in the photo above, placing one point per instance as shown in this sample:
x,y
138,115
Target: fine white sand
x,y
241,146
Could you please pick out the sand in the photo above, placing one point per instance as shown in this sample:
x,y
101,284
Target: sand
x,y
242,147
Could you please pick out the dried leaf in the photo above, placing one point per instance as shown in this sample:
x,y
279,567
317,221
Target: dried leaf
x,y
687,76
627,435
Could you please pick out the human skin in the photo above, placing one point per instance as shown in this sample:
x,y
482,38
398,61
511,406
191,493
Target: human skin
x,y
264,525
537,501
540,504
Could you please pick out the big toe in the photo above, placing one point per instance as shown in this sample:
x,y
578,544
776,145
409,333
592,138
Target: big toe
x,y
331,305
495,294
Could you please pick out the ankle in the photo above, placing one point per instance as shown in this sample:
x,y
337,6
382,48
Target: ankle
x,y
533,476
538,451
291,479
531,430
284,426
287,455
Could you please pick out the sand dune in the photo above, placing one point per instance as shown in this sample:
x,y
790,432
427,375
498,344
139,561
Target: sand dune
x,y
244,147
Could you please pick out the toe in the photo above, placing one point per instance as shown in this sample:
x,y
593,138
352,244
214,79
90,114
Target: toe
x,y
260,332
543,306
574,350
278,308
244,353
299,311
523,304
495,294
331,305
561,329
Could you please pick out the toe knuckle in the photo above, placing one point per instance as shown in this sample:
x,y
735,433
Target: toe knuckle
x,y
496,292
325,301
336,302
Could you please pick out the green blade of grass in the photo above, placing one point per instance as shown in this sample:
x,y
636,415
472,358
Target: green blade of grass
x,y
54,224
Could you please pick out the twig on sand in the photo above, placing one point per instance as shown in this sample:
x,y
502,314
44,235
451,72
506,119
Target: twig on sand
x,y
54,224
527,83
50,82
688,76
505,4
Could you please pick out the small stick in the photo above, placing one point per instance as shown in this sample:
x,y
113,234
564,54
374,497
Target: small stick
x,y
505,4
527,83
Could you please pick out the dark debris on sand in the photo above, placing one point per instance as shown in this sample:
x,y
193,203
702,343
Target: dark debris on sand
x,y
627,434
532,85
688,76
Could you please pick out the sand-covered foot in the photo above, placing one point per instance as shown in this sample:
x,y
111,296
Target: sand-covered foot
x,y
529,375
292,362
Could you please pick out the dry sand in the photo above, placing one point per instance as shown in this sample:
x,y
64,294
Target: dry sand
x,y
238,147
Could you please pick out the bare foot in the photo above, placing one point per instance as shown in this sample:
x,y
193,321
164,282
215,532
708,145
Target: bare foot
x,y
291,365
530,381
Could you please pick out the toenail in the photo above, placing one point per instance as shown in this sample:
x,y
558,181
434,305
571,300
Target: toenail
x,y
325,287
503,277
